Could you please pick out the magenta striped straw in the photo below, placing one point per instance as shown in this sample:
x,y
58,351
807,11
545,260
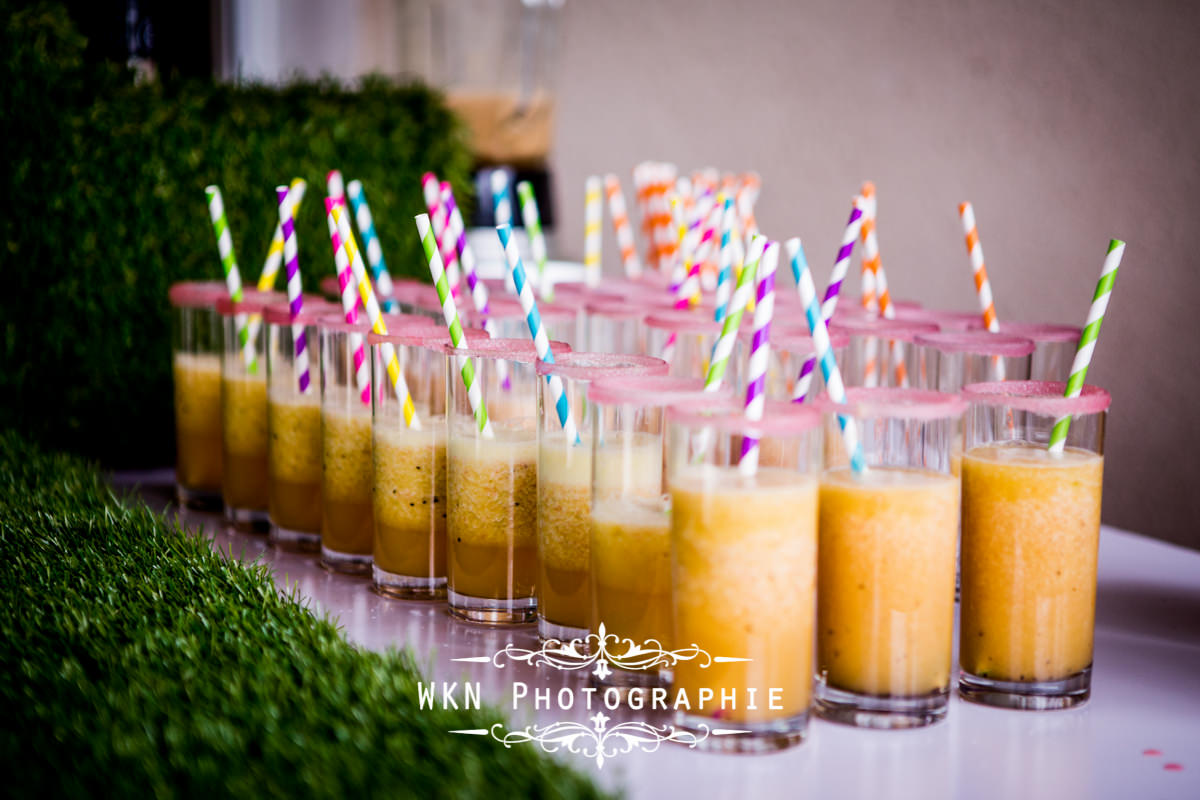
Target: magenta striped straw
x,y
439,220
829,304
350,300
294,288
760,353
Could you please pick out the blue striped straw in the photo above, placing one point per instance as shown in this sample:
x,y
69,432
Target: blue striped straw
x,y
725,274
541,342
375,260
501,199
820,335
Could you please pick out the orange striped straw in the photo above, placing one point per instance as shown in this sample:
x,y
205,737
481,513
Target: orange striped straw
x,y
982,288
875,287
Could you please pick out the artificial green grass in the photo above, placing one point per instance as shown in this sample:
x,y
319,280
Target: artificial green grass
x,y
137,661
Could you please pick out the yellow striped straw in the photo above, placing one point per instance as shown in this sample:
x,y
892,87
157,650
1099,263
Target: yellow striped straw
x,y
266,278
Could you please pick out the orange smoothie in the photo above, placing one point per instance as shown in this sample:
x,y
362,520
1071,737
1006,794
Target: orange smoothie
x,y
631,571
198,421
410,500
347,479
244,424
744,583
491,518
885,602
294,460
563,516
1031,536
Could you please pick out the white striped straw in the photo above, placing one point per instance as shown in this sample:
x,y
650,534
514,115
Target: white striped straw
x,y
760,355
593,218
622,228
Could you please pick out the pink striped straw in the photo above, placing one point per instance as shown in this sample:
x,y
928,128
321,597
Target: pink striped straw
x,y
335,188
829,304
347,285
440,222
760,352
294,290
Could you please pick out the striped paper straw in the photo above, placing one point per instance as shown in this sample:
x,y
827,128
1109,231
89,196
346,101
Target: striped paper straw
x,y
621,227
725,267
689,291
679,224
335,187
346,283
746,220
438,217
983,289
367,294
760,353
723,347
537,239
477,288
287,215
501,199
664,232
464,365
829,305
882,298
366,227
266,278
541,342
233,277
593,218
820,334
1087,341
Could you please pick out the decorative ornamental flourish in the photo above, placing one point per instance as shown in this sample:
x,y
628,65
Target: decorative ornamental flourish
x,y
650,654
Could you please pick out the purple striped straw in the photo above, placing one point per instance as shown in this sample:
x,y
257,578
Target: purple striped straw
x,y
829,304
760,353
294,288
350,301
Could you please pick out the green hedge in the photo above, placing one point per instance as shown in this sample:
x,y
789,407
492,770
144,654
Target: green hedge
x,y
137,661
107,185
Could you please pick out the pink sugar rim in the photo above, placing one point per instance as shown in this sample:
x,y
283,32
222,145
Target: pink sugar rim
x,y
683,321
793,338
864,403
856,302
315,307
518,350
891,329
652,391
433,337
980,343
1037,331
780,417
1038,397
506,308
253,302
337,322
196,294
616,309
594,366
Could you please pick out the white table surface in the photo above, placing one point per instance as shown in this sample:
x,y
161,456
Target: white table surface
x,y
1145,695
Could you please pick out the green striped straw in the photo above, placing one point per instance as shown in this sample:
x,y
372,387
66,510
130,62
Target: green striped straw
x,y
233,277
537,239
465,366
733,320
1087,342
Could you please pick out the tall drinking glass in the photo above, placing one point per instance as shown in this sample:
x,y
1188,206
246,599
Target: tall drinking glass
x,y
196,366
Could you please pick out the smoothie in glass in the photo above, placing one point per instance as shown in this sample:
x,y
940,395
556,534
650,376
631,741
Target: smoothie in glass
x,y
198,420
492,514
885,602
631,571
410,507
294,458
244,424
347,479
744,582
1031,533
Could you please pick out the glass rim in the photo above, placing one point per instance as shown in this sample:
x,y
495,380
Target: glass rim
x,y
652,390
252,302
894,330
590,366
1038,397
883,402
1038,331
683,321
519,350
780,417
616,309
977,342
433,336
315,307
196,294
795,338
337,322
504,307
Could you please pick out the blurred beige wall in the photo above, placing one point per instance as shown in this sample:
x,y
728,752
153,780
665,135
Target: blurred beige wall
x,y
1065,124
